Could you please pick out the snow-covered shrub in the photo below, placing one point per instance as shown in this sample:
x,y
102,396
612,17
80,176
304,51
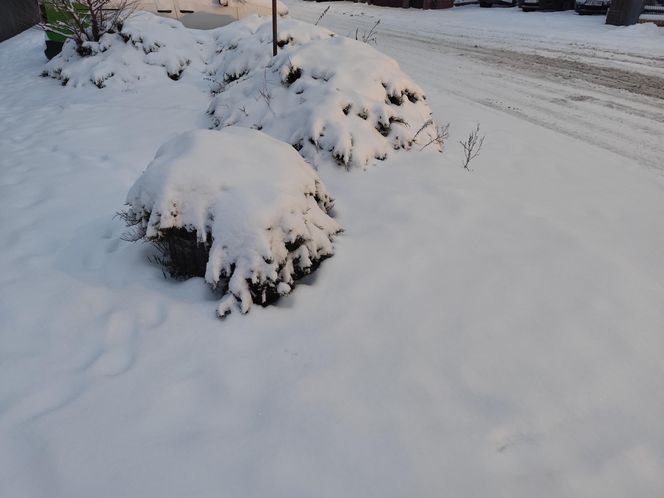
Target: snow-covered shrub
x,y
330,97
247,202
146,47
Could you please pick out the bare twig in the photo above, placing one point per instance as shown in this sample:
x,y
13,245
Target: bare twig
x,y
472,146
265,93
427,123
441,134
367,36
87,20
320,17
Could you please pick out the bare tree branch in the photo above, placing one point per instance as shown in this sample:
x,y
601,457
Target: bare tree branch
x,y
86,20
322,15
367,37
441,133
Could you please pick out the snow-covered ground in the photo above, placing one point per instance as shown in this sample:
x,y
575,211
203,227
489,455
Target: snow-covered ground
x,y
492,333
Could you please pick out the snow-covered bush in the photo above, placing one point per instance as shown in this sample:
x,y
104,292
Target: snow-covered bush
x,y
146,47
330,97
245,201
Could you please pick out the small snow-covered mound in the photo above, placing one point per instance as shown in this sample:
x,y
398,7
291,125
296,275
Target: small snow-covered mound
x,y
249,201
147,47
330,97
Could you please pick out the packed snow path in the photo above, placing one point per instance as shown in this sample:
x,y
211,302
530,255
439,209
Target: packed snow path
x,y
488,334
566,72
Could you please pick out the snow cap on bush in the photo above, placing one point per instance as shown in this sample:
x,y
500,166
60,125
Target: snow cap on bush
x,y
252,200
330,97
148,47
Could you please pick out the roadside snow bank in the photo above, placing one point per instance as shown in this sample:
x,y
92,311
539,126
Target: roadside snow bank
x,y
262,215
147,47
329,97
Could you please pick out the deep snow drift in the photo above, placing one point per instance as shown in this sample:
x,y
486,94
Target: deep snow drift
x,y
250,200
494,333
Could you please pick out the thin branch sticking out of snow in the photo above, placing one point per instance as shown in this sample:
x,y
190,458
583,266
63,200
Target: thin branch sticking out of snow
x,y
472,146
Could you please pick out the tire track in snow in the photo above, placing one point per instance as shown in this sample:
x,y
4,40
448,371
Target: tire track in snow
x,y
627,124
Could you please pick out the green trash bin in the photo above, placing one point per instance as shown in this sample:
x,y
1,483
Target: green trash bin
x,y
55,41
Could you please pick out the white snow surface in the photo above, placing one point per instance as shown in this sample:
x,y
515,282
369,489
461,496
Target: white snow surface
x,y
492,333
251,206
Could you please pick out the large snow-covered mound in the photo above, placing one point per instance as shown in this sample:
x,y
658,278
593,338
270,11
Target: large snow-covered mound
x,y
330,97
248,198
147,47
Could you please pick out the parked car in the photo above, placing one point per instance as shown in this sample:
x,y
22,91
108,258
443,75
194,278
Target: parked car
x,y
502,3
584,7
530,5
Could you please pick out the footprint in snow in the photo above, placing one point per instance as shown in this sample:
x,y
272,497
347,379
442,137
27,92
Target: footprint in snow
x,y
120,345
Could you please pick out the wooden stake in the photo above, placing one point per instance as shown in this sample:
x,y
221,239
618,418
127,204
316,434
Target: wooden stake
x,y
274,27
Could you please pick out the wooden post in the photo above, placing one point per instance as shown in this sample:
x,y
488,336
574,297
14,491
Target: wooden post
x,y
274,27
